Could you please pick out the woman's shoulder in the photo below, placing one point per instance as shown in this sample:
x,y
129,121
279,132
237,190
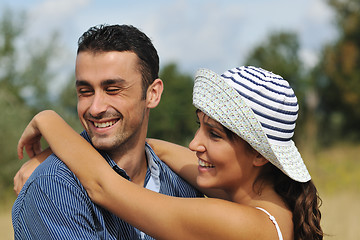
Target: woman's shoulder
x,y
269,215
278,217
250,222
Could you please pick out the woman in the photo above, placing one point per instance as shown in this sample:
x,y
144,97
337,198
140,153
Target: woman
x,y
243,147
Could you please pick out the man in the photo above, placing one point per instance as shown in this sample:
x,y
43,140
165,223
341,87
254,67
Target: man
x,y
117,84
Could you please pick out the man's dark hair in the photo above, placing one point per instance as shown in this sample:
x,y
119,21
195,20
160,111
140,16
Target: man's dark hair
x,y
106,38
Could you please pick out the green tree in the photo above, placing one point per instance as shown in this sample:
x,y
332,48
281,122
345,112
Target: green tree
x,y
174,118
339,74
11,28
66,105
25,76
279,53
13,105
37,75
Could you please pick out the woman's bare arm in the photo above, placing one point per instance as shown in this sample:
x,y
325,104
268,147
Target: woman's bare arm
x,y
161,216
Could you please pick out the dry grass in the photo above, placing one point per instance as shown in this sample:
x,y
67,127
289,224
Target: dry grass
x,y
5,224
341,216
336,169
336,173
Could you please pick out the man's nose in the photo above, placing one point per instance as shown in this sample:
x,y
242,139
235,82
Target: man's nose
x,y
98,105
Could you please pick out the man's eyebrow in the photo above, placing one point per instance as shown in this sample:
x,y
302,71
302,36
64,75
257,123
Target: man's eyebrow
x,y
103,83
113,81
81,83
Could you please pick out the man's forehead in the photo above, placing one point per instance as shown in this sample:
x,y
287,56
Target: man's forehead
x,y
114,66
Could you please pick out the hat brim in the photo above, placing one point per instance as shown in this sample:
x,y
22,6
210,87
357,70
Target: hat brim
x,y
213,96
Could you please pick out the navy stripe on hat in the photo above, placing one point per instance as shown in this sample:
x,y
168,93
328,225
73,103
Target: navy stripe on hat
x,y
273,118
278,138
269,96
273,76
260,93
268,106
264,82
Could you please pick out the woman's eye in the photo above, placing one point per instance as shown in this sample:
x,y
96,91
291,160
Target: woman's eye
x,y
213,134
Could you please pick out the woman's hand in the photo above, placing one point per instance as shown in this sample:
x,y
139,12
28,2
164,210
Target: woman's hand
x,y
30,139
27,169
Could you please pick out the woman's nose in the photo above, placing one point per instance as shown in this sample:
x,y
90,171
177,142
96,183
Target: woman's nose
x,y
197,143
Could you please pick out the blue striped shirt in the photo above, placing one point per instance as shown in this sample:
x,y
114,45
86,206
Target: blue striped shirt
x,y
54,205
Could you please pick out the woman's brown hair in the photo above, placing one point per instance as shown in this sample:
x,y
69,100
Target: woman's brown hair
x,y
302,198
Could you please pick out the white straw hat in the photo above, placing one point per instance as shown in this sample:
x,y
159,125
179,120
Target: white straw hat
x,y
260,107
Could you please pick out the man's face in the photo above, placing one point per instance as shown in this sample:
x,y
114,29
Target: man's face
x,y
110,105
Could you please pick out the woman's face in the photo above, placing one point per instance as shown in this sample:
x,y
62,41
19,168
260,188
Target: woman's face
x,y
224,162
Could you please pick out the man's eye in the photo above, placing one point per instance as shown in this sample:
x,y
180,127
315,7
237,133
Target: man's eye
x,y
85,91
113,90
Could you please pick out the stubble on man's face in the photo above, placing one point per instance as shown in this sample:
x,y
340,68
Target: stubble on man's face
x,y
110,103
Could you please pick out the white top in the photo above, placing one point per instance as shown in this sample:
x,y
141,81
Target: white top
x,y
272,218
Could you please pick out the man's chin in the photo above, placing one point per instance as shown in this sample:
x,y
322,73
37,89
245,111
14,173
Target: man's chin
x,y
100,144
107,143
103,147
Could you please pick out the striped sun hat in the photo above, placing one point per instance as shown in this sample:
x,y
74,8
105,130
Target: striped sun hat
x,y
260,107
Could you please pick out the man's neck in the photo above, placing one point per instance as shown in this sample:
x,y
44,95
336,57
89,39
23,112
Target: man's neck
x,y
133,161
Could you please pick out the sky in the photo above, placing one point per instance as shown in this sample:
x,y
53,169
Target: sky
x,y
194,34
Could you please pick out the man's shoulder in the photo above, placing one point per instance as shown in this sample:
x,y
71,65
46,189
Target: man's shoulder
x,y
51,201
51,166
50,173
51,184
54,173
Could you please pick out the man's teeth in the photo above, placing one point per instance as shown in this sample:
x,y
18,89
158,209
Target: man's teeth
x,y
205,164
104,124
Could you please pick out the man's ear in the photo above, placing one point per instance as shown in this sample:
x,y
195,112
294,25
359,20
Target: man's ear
x,y
153,93
259,160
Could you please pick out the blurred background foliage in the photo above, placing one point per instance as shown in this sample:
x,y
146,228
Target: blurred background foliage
x,y
328,93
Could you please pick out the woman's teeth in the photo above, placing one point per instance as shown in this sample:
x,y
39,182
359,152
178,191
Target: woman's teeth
x,y
205,164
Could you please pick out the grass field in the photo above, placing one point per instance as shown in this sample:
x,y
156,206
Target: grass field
x,y
341,216
335,171
5,224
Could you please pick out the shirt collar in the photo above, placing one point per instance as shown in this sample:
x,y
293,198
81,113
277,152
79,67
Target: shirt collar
x,y
153,182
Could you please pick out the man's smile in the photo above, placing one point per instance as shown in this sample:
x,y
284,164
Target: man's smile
x,y
104,124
